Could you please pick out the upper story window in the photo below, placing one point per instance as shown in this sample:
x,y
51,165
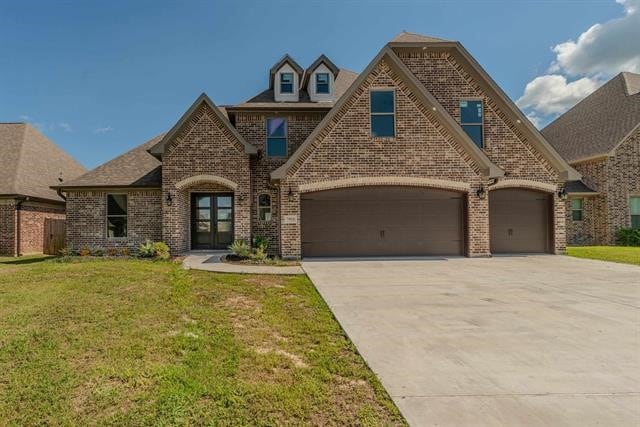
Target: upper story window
x,y
634,206
471,120
116,215
382,104
264,207
576,209
286,82
277,137
322,82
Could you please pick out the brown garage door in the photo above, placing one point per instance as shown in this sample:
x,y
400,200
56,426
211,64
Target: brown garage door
x,y
379,221
520,221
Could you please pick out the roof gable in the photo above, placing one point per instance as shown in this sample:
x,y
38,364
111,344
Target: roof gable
x,y
30,163
485,166
159,148
407,37
322,59
595,126
286,59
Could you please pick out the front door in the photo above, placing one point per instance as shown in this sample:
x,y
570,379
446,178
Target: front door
x,y
211,220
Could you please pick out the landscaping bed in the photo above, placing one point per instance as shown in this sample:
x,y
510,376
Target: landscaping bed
x,y
139,342
276,262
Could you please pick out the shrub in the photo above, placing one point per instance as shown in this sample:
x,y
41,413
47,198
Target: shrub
x,y
97,252
125,252
85,251
161,250
112,252
261,242
241,249
259,254
67,252
146,249
628,236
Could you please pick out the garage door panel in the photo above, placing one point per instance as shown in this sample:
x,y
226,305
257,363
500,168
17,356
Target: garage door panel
x,y
376,221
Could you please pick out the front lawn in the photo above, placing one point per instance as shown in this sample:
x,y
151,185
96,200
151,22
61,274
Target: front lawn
x,y
132,342
623,254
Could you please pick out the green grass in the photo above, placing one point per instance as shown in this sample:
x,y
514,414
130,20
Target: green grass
x,y
623,254
132,342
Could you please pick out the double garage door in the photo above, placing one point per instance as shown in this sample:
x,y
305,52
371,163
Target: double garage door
x,y
411,221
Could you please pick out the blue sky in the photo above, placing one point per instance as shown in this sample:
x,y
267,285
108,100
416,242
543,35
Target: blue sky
x,y
99,77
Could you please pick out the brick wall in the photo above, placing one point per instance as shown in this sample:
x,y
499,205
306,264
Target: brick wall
x,y
87,219
252,126
7,227
203,147
31,218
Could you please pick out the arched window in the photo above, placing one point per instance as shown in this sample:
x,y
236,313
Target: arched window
x,y
264,207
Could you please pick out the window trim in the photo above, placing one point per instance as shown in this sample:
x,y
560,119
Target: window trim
x,y
293,82
286,136
371,113
631,214
126,216
328,92
259,208
481,124
581,210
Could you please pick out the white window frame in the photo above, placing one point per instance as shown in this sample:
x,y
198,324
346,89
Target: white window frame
x,y
371,113
326,73
481,124
581,210
293,82
261,208
107,216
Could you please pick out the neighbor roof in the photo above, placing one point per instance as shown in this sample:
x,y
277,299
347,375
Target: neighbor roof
x,y
135,168
406,37
596,125
266,99
30,163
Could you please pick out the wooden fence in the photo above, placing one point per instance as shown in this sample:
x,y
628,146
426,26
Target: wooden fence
x,y
54,235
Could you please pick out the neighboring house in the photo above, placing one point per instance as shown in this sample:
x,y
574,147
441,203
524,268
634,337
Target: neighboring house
x,y
600,138
420,154
29,165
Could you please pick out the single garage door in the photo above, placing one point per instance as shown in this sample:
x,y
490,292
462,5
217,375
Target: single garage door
x,y
520,221
381,221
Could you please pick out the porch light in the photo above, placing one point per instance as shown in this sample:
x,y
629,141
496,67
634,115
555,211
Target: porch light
x,y
481,193
169,199
290,194
562,194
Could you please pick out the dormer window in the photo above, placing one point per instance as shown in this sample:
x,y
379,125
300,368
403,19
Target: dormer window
x,y
322,82
286,82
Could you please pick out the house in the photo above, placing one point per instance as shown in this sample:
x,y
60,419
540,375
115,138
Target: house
x,y
600,138
29,165
420,154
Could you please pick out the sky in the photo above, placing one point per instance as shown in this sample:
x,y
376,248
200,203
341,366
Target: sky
x,y
100,77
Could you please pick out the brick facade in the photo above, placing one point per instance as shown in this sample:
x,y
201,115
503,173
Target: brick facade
x,y
87,219
22,225
615,178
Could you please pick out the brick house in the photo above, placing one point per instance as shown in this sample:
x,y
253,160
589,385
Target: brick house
x,y
29,164
600,138
420,154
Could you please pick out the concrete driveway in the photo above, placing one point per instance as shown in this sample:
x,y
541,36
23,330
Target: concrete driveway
x,y
536,340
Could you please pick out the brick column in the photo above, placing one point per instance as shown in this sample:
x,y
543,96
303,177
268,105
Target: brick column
x,y
559,225
290,235
478,238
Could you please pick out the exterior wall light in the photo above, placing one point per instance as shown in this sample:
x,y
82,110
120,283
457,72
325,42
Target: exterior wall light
x,y
562,194
290,194
481,193
169,199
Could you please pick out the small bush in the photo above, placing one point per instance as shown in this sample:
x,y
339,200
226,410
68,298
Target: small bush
x,y
67,252
146,250
241,249
628,236
261,242
258,254
125,252
113,252
161,250
85,251
97,252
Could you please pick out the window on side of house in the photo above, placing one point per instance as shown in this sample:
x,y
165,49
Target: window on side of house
x,y
471,120
634,206
576,209
264,207
286,82
116,215
322,82
382,105
277,137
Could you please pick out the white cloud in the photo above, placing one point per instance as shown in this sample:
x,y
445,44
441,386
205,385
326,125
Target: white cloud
x,y
103,130
26,118
552,94
581,66
65,126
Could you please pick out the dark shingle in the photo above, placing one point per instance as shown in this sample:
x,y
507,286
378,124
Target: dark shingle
x,y
596,125
30,163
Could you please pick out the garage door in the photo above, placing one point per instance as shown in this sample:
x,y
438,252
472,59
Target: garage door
x,y
520,221
380,221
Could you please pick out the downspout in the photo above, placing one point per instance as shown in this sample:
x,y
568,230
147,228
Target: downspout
x,y
62,196
19,202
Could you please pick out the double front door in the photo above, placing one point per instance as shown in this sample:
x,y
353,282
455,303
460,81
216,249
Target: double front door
x,y
211,220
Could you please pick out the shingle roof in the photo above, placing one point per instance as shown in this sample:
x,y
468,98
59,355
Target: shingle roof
x,y
578,187
407,37
136,168
265,99
596,125
30,163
